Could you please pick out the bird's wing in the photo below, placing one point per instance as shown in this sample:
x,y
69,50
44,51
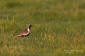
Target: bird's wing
x,y
22,33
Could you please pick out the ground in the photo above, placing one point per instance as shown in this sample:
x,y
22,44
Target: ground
x,y
58,27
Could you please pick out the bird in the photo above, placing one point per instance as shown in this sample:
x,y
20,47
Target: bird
x,y
24,33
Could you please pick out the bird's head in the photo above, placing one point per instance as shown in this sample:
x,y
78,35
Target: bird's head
x,y
29,26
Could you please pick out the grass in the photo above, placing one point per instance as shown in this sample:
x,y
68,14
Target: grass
x,y
58,27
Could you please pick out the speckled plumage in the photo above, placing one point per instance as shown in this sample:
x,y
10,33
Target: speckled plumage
x,y
25,33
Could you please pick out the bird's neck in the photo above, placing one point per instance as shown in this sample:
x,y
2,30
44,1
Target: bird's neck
x,y
28,29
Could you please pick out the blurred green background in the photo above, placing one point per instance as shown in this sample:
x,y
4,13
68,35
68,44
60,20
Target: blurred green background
x,y
58,27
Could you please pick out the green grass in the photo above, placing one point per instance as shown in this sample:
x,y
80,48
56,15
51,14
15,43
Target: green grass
x,y
58,27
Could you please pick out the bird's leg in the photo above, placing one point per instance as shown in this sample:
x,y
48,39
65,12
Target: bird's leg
x,y
22,38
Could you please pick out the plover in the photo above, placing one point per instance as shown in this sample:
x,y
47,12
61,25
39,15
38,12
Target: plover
x,y
25,33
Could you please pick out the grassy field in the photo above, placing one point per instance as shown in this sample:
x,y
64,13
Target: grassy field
x,y
58,27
